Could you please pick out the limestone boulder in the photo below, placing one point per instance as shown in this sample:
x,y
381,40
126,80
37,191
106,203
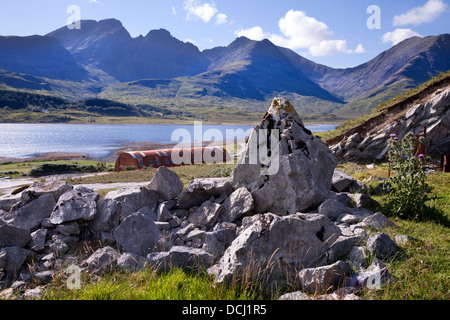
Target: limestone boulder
x,y
285,167
277,247
76,204
137,234
166,183
201,189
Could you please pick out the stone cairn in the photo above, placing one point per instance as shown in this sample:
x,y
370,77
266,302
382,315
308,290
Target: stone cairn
x,y
301,224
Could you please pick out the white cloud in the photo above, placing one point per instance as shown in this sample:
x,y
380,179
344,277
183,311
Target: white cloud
x,y
398,35
198,10
221,18
174,11
418,15
205,11
255,33
299,31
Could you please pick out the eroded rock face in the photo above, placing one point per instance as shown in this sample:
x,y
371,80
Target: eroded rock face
x,y
79,203
277,247
433,114
287,170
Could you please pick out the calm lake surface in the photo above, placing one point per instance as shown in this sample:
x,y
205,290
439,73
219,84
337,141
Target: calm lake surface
x,y
27,140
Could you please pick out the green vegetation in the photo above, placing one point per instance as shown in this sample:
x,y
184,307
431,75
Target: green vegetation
x,y
408,182
42,167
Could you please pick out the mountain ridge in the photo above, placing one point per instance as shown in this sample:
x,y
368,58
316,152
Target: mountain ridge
x,y
158,69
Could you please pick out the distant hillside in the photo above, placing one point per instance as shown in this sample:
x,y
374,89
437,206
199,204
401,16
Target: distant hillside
x,y
39,56
102,60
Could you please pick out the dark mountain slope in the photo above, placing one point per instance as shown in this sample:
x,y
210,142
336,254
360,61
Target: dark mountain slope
x,y
39,56
108,46
253,69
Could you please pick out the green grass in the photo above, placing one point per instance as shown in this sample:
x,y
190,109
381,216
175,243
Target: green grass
x,y
15,169
147,284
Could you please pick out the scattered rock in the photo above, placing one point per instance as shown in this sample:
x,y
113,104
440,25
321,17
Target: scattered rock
x,y
76,204
341,181
322,279
202,189
166,183
238,204
137,234
180,257
378,221
30,215
277,247
206,215
11,236
101,260
381,246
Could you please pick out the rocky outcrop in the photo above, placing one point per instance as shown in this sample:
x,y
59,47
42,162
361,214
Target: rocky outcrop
x,y
299,176
296,225
433,114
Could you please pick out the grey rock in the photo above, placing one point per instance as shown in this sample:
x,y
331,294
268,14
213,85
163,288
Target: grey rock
x,y
55,187
321,279
403,240
137,234
162,226
61,244
216,242
34,294
297,295
341,180
180,257
381,246
277,247
363,200
201,189
349,218
11,236
357,257
163,213
43,277
342,246
332,209
12,258
76,204
30,215
291,189
238,204
206,215
166,183
69,228
8,201
378,221
106,219
37,241
136,197
101,260
131,262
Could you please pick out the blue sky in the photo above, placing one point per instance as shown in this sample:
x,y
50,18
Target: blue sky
x,y
331,32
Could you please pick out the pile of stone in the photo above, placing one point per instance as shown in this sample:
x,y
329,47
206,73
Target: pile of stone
x,y
433,114
287,226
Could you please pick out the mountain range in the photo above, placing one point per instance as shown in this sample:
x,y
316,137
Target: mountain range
x,y
102,60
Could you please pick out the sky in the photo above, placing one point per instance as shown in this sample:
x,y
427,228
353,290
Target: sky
x,y
336,33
